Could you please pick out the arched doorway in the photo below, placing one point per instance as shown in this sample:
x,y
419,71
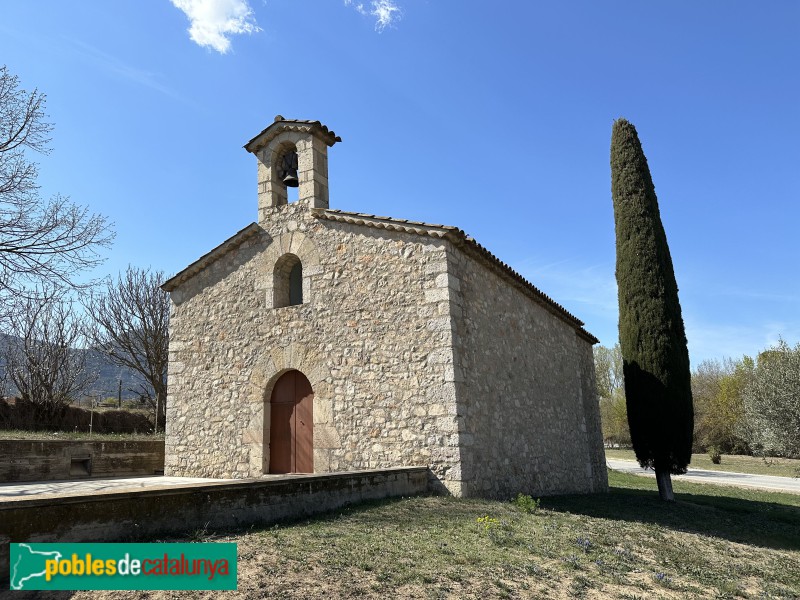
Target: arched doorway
x,y
291,432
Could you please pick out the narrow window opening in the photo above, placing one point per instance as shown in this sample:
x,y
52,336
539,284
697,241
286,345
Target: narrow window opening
x,y
288,281
296,284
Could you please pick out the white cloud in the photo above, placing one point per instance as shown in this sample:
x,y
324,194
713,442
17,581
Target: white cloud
x,y
386,12
592,287
713,340
214,21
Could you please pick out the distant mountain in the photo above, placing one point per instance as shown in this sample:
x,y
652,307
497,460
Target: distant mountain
x,y
108,375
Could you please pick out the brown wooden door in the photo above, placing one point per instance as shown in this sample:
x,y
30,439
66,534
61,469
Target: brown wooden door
x,y
291,438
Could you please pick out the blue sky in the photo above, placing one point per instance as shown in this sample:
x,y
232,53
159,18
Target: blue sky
x,y
495,117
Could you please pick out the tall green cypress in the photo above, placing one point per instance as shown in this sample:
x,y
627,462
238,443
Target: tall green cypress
x,y
651,334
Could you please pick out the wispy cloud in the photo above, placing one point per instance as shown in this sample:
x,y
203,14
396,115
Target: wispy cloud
x,y
709,340
589,287
385,12
589,290
212,22
115,66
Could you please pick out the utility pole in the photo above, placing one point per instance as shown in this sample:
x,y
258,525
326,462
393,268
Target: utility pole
x,y
119,394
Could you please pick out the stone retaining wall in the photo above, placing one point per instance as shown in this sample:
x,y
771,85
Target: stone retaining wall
x,y
179,511
45,460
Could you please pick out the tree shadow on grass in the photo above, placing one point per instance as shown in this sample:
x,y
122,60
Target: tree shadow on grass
x,y
730,515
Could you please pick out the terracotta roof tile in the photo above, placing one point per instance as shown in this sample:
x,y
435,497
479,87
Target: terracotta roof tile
x,y
461,239
281,124
453,234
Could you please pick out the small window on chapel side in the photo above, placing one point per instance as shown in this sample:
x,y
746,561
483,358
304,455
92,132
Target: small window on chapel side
x,y
288,281
296,284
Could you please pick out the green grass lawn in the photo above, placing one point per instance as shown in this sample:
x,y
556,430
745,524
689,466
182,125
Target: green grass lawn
x,y
713,542
785,467
20,434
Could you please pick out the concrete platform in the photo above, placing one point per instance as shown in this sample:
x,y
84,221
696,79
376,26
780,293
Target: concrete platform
x,y
80,487
94,510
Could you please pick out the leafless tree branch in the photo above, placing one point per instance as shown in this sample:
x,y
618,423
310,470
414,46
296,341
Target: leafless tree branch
x,y
43,243
131,323
39,354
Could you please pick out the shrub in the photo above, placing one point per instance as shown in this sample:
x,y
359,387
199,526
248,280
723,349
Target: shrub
x,y
23,415
526,503
772,402
122,421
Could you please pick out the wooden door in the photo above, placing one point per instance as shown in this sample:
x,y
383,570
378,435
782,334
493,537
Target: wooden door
x,y
291,439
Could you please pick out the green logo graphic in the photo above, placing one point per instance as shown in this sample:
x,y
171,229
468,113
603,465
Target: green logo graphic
x,y
123,567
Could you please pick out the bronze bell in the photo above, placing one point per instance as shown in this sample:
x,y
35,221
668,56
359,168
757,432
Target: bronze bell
x,y
289,170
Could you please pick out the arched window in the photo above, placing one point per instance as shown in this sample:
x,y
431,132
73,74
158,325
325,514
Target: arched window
x,y
288,281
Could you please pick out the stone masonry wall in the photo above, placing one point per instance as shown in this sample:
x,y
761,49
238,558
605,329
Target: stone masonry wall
x,y
528,411
45,460
591,407
373,336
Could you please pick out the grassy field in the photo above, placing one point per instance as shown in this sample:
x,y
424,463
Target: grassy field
x,y
20,434
785,467
714,542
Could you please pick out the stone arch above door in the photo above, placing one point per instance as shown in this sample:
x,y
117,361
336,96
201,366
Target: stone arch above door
x,y
267,371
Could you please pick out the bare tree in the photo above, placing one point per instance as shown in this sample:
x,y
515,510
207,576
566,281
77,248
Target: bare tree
x,y
41,356
132,324
42,242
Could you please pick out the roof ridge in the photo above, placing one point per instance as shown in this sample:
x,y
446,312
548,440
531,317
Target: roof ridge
x,y
460,238
388,219
281,124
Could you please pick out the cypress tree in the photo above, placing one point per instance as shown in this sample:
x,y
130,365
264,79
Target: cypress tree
x,y
651,333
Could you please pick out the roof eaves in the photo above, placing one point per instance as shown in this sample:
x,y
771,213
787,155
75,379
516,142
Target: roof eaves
x,y
469,244
386,223
281,124
201,263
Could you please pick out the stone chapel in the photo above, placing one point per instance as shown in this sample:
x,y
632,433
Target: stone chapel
x,y
317,340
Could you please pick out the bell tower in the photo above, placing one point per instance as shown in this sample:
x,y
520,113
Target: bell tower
x,y
294,154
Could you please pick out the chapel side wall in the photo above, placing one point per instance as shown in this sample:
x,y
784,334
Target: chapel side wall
x,y
211,400
527,403
373,337
591,407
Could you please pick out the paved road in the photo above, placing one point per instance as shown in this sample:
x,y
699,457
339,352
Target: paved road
x,y
11,491
37,489
764,482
